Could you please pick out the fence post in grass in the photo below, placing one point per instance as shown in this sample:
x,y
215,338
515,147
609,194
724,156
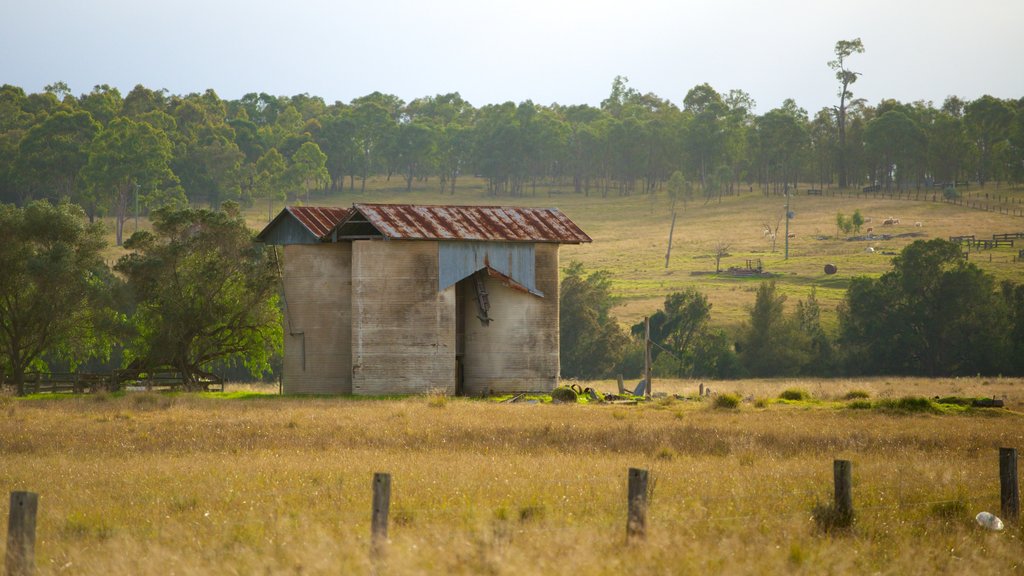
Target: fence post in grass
x,y
1009,489
636,525
21,534
622,386
381,504
842,472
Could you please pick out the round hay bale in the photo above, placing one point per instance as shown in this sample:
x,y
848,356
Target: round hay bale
x,y
831,269
564,394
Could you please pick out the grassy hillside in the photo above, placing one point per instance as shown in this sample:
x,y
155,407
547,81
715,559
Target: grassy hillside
x,y
631,233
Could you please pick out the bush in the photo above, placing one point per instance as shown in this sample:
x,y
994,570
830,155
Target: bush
x,y
727,401
860,405
856,395
564,394
794,394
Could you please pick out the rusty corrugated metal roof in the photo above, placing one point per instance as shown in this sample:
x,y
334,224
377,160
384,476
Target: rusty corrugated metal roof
x,y
484,223
317,219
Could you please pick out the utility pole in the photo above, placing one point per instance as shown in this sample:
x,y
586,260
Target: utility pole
x,y
787,225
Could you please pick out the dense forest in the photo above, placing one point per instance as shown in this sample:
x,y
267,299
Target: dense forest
x,y
106,151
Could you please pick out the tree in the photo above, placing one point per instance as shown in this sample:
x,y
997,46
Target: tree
x,y
270,180
933,314
309,168
988,121
857,220
772,344
52,153
897,146
843,50
127,158
54,288
591,342
204,291
678,326
808,320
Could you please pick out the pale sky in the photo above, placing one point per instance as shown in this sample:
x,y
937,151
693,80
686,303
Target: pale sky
x,y
564,51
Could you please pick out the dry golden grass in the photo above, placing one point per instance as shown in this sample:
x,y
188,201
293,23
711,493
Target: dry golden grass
x,y
155,484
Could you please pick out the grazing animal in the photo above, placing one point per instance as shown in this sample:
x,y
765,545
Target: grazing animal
x,y
869,250
867,220
918,224
870,230
890,221
791,235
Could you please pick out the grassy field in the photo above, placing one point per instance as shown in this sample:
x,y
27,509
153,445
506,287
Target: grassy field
x,y
631,234
243,483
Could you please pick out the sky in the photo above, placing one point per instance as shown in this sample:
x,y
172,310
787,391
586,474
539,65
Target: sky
x,y
493,51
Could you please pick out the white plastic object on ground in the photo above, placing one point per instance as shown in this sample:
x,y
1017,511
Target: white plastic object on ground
x,y
989,520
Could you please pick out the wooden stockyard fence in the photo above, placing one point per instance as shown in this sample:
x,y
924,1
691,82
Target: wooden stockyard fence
x,y
984,200
87,382
21,525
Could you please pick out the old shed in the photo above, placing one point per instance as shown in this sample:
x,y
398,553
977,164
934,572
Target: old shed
x,y
399,298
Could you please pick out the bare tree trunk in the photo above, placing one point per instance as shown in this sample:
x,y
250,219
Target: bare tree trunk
x,y
671,231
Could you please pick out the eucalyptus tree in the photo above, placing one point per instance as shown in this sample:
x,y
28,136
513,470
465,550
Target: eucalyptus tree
x,y
337,139
844,49
706,137
52,154
103,102
308,169
128,158
823,146
897,147
782,141
987,121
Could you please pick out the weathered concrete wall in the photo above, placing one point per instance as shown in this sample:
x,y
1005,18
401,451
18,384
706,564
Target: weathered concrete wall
x,y
317,325
403,329
518,351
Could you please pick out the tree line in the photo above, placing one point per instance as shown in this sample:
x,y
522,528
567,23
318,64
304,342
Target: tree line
x,y
932,314
117,154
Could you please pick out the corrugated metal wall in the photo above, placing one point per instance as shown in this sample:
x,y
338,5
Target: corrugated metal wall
x,y
403,328
317,326
518,350
460,259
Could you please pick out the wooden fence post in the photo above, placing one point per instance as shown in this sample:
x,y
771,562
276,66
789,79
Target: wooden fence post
x,y
21,535
622,386
381,504
647,356
843,477
1009,489
636,524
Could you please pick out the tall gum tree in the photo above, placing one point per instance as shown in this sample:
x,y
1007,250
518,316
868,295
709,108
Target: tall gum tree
x,y
843,50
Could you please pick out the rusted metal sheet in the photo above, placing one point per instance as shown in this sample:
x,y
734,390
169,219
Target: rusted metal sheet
x,y
458,260
302,225
477,223
319,220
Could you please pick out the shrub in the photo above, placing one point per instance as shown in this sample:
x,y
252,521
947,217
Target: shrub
x,y
728,401
564,394
794,394
859,405
857,395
